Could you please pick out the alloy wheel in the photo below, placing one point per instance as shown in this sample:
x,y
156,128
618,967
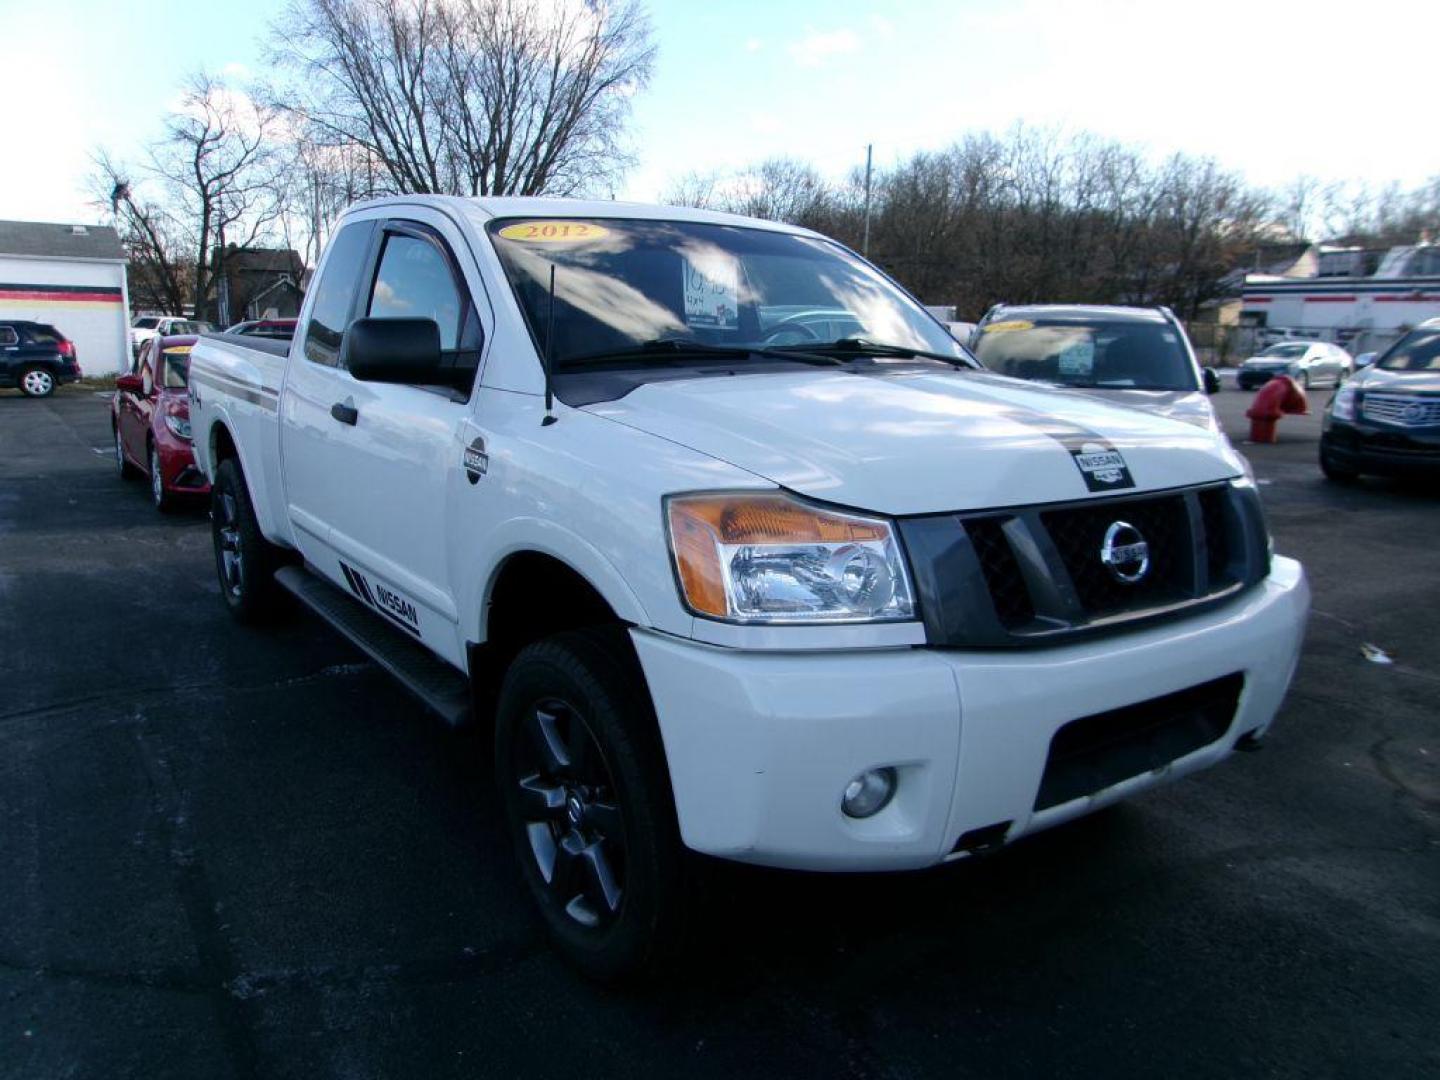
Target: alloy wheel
x,y
571,814
228,536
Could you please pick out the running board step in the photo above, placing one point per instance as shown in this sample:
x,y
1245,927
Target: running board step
x,y
432,680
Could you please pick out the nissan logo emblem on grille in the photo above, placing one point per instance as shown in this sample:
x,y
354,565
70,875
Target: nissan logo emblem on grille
x,y
1125,553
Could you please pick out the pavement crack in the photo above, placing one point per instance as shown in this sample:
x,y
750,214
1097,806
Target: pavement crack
x,y
131,694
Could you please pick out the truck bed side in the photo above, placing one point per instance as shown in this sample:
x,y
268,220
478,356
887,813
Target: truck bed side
x,y
235,403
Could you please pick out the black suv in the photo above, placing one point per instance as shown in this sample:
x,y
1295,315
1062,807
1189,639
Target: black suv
x,y
1387,418
35,357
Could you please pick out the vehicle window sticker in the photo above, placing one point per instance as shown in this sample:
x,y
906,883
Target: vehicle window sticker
x,y
711,285
1078,357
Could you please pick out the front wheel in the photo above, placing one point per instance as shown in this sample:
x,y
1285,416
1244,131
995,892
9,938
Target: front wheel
x,y
587,800
163,500
244,559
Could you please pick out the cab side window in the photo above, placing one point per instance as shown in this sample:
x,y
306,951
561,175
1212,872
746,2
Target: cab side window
x,y
335,292
416,278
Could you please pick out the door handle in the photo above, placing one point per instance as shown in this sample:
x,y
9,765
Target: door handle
x,y
345,413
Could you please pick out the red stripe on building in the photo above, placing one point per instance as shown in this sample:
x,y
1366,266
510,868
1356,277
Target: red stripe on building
x,y
64,297
1416,298
1258,299
1329,299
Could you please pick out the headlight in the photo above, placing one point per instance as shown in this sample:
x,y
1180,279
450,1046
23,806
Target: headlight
x,y
1342,405
179,426
774,559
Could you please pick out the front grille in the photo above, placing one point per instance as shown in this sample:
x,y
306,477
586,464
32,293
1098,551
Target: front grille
x,y
1098,751
1079,533
1002,573
1031,575
1401,409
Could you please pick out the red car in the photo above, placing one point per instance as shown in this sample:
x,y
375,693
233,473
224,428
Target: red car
x,y
151,419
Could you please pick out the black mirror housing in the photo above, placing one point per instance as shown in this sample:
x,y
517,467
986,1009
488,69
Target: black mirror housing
x,y
394,351
1211,379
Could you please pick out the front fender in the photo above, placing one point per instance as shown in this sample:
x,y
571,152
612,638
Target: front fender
x,y
530,534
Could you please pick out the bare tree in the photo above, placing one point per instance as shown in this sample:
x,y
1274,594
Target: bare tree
x,y
210,185
475,97
160,272
777,189
216,164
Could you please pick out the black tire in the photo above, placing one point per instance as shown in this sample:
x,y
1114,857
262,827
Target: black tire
x,y
247,581
36,382
618,907
123,467
1336,474
163,500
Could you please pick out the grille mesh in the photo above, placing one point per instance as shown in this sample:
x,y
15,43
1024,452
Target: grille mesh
x,y
1079,534
1402,409
1002,573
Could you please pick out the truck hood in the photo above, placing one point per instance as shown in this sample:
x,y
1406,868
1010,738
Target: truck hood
x,y
1191,406
919,442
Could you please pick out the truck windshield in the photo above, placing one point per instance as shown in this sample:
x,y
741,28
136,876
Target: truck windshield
x,y
622,287
1105,353
1417,351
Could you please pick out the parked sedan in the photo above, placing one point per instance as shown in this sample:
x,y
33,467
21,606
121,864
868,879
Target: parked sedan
x,y
1386,420
1310,363
35,357
150,416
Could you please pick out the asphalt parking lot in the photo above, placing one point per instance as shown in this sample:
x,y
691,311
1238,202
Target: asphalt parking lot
x,y
230,853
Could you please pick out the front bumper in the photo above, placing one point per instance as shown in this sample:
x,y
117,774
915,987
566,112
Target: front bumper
x,y
1383,449
761,745
178,471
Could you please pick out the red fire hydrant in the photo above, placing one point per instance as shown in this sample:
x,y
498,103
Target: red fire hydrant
x,y
1279,396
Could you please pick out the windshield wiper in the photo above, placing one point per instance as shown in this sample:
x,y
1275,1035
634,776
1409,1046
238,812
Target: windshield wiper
x,y
663,349
856,346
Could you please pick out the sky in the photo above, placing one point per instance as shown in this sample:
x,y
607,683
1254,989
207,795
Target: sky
x,y
1271,88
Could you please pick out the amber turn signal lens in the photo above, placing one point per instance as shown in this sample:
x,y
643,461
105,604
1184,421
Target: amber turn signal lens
x,y
699,524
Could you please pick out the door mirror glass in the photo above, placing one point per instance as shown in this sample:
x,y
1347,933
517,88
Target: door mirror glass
x,y
1365,359
394,351
1212,380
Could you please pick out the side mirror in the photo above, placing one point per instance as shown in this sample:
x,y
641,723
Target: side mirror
x,y
130,384
394,351
1365,359
1211,378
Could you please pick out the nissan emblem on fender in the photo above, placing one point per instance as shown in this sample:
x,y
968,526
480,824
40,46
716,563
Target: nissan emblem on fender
x,y
1125,553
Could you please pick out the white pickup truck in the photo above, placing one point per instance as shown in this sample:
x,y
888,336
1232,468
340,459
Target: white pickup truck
x,y
740,548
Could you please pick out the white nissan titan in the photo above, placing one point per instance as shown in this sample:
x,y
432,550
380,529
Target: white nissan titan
x,y
742,551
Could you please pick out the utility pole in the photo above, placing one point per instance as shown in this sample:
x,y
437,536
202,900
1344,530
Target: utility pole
x,y
865,243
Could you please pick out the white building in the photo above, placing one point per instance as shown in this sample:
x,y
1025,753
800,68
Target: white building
x,y
73,278
1361,314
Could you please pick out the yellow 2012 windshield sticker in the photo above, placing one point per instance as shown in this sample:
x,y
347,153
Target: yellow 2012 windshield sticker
x,y
1012,324
554,232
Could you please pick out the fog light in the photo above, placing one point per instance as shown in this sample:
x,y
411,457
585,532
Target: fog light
x,y
868,793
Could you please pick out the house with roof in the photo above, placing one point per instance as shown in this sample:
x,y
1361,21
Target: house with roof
x,y
258,283
71,277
